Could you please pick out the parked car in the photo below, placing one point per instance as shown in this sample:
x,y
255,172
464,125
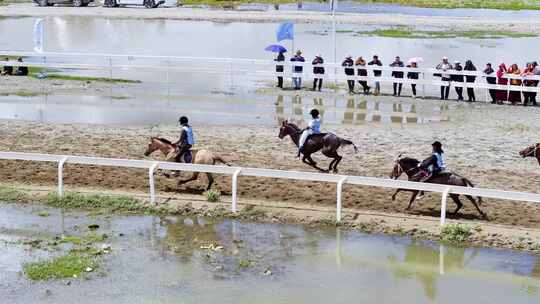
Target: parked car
x,y
77,3
145,3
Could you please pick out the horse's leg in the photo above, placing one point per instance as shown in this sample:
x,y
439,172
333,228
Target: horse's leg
x,y
413,197
210,180
397,191
338,160
192,178
312,163
455,198
331,164
473,201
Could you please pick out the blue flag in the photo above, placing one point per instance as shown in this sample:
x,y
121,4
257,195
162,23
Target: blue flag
x,y
285,31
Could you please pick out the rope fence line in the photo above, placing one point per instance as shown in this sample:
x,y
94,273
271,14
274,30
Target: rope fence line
x,y
235,172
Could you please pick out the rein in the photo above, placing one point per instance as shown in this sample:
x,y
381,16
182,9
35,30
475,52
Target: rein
x,y
400,169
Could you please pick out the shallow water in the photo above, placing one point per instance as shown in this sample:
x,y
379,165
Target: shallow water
x,y
219,110
160,260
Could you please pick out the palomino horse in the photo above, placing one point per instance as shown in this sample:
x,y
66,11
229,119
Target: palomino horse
x,y
203,157
327,142
531,151
410,167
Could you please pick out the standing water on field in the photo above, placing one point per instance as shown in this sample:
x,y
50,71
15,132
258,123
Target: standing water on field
x,y
172,259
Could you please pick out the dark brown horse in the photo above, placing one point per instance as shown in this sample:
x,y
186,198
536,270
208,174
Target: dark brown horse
x,y
410,167
531,151
327,142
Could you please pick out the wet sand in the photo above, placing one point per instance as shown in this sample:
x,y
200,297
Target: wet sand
x,y
522,24
481,143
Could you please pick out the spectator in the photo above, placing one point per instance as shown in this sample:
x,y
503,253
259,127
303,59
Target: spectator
x,y
348,63
444,67
469,66
397,74
360,62
298,70
502,95
279,68
376,73
536,72
491,80
7,70
318,69
458,78
514,96
528,96
413,75
21,70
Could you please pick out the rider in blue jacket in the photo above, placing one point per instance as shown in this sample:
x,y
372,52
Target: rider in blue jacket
x,y
186,141
435,163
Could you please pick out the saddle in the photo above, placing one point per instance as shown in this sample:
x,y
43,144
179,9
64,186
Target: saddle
x,y
316,135
186,158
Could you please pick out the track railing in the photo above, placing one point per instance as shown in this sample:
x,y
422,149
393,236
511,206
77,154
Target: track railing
x,y
235,172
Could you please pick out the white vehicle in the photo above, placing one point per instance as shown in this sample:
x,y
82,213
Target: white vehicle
x,y
145,3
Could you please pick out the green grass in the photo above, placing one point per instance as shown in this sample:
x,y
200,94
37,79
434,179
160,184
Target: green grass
x,y
70,265
11,195
212,195
95,201
86,78
43,214
405,32
21,94
456,233
84,240
450,4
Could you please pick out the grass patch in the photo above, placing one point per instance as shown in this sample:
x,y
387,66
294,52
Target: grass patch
x,y
11,195
21,94
84,240
406,32
86,78
68,266
95,201
43,214
456,233
451,4
212,195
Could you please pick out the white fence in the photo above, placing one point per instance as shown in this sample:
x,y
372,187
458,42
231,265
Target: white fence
x,y
340,180
262,68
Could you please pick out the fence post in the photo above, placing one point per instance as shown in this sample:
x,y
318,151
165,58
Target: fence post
x,y
235,189
338,198
151,171
61,176
441,259
443,205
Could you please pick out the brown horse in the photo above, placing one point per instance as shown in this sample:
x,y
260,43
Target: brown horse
x,y
203,157
327,142
531,151
410,167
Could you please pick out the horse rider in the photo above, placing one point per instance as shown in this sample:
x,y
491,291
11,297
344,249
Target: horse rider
x,y
186,141
434,164
314,127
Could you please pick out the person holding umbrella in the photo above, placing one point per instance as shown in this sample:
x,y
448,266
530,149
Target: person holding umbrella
x,y
318,69
280,58
298,70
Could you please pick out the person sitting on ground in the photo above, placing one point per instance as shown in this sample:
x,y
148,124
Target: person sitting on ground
x,y
362,72
348,63
21,70
314,127
397,74
7,70
318,70
184,144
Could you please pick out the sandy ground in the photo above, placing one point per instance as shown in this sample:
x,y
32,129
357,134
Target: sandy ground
x,y
522,24
481,143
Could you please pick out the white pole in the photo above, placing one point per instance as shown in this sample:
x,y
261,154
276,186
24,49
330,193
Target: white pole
x,y
151,171
235,190
338,198
334,40
61,176
441,259
443,205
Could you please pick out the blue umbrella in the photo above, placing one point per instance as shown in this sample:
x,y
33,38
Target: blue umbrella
x,y
276,48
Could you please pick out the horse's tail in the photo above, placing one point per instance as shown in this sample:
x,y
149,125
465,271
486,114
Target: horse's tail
x,y
220,160
348,142
470,184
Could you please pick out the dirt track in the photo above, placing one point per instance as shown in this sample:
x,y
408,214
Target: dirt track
x,y
481,144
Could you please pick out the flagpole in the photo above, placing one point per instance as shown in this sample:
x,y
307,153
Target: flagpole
x,y
334,40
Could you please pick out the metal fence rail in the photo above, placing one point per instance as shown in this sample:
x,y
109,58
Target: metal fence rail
x,y
340,180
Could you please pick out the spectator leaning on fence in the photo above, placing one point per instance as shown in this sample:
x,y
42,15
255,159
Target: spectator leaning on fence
x,y
7,70
459,79
514,96
376,73
279,68
469,67
491,80
21,70
444,67
360,62
348,63
502,95
397,74
318,70
529,71
297,70
414,76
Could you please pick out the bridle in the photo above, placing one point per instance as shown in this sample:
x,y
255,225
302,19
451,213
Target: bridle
x,y
400,168
533,152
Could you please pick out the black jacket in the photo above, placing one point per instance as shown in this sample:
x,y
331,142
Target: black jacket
x,y
280,58
458,78
348,63
490,80
376,62
470,78
412,75
298,68
318,69
397,74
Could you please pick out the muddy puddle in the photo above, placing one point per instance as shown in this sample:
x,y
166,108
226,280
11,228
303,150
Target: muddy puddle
x,y
195,260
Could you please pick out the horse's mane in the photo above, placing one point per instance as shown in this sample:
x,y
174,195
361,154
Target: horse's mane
x,y
293,126
410,161
164,140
